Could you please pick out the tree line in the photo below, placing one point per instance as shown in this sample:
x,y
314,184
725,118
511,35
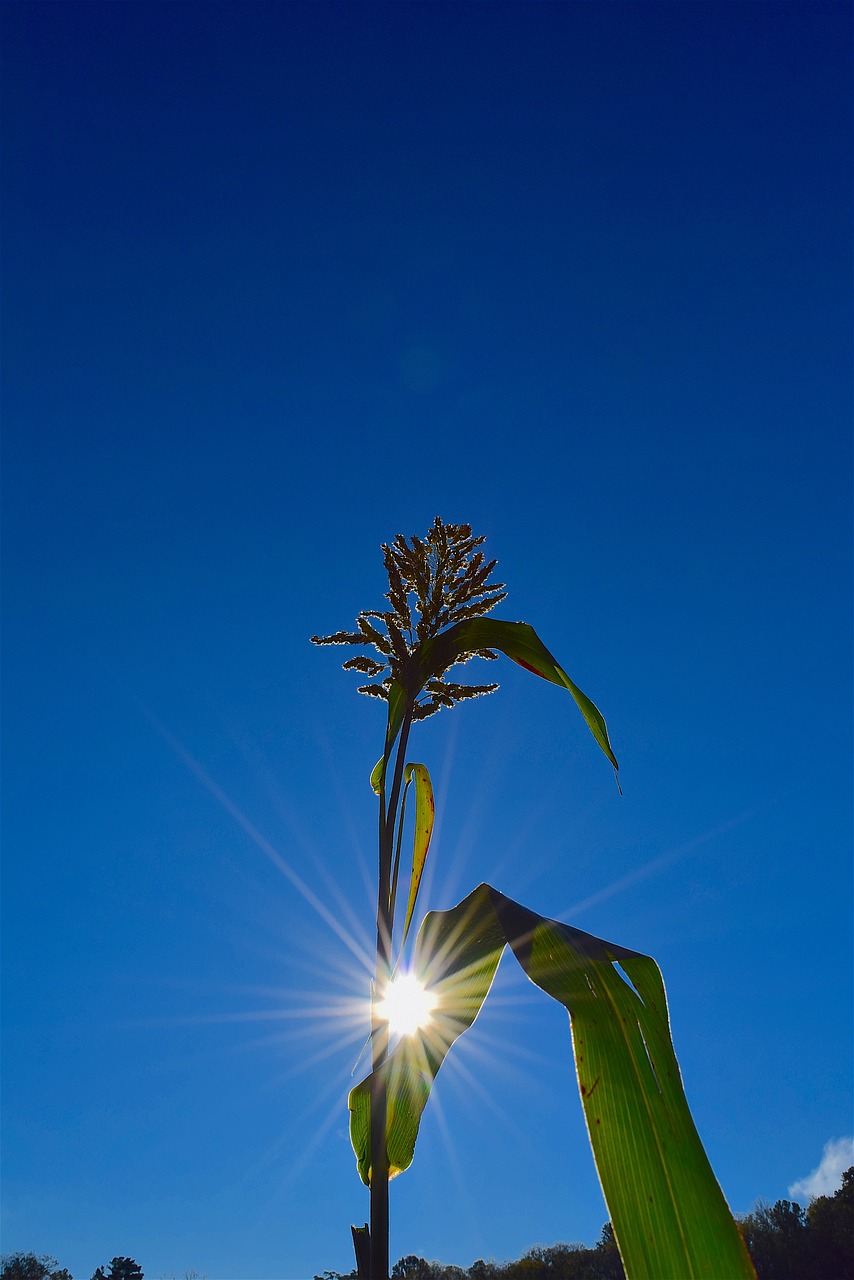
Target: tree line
x,y
29,1266
784,1240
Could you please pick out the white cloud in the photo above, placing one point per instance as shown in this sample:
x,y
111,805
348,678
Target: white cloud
x,y
838,1155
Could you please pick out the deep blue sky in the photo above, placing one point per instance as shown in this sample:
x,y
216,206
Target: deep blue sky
x,y
281,281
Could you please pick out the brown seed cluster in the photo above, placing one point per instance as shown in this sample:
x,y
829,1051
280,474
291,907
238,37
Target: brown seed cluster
x,y
434,582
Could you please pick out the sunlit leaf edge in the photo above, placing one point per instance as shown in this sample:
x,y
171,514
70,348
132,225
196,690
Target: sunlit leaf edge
x,y
517,640
425,814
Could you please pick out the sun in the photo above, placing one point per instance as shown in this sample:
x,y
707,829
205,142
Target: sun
x,y
407,1006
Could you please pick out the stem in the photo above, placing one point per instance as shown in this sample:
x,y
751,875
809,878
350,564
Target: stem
x,y
379,1026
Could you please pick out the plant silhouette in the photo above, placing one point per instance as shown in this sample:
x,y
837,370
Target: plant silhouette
x,y
669,1215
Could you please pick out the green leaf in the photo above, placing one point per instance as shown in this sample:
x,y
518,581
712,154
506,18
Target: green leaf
x,y
396,710
517,640
377,775
669,1214
456,956
425,812
520,642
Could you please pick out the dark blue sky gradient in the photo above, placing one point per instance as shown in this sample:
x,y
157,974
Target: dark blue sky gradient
x,y
281,281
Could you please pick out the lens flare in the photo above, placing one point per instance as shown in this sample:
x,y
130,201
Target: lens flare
x,y
407,1006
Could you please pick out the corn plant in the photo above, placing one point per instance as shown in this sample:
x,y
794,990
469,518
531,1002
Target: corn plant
x,y
669,1215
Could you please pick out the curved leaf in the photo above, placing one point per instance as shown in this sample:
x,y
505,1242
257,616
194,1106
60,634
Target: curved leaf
x,y
425,812
669,1214
377,775
520,642
456,956
517,640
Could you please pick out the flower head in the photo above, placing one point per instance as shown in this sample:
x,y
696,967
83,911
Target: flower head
x,y
434,582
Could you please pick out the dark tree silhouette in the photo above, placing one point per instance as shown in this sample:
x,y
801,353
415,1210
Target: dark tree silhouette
x,y
787,1242
775,1236
26,1266
830,1222
120,1269
411,1268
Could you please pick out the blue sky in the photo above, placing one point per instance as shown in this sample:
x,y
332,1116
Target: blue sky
x,y
281,281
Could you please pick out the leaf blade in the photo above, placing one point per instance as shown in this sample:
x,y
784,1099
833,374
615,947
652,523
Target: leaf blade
x,y
377,776
456,955
517,640
425,813
669,1214
520,642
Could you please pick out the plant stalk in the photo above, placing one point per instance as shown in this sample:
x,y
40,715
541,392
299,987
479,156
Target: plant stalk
x,y
379,1026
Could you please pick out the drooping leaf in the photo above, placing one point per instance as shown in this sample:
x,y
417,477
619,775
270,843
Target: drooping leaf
x,y
520,642
425,812
517,640
669,1214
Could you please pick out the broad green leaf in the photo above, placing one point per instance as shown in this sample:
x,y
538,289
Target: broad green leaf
x,y
517,640
669,1214
425,812
456,956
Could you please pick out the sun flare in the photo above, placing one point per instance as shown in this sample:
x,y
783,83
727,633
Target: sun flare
x,y
407,1005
